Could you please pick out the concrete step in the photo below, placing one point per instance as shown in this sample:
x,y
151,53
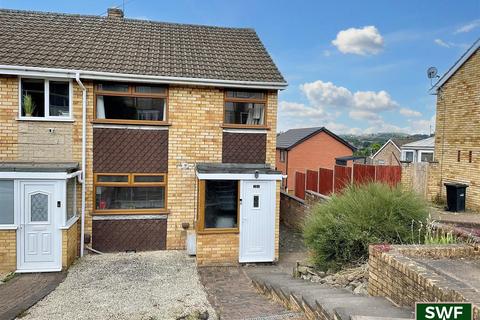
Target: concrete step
x,y
319,301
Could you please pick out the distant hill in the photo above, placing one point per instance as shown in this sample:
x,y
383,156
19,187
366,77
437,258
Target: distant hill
x,y
368,144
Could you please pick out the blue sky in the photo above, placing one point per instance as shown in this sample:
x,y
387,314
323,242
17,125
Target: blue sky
x,y
353,66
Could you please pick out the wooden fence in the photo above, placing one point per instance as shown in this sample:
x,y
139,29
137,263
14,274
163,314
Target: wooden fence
x,y
327,181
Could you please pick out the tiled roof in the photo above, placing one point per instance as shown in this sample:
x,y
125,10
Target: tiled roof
x,y
399,142
128,46
292,137
425,143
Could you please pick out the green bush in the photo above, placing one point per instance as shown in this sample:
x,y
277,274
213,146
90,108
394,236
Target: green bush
x,y
339,231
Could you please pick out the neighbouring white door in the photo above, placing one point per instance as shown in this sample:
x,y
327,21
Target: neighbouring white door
x,y
257,221
39,236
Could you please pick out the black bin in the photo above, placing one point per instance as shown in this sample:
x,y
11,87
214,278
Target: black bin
x,y
456,195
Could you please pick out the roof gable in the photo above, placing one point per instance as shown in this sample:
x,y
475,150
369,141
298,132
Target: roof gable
x,y
289,139
138,47
390,141
456,66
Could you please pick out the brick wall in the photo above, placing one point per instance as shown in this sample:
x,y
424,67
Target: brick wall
x,y
394,273
457,129
8,249
8,114
217,249
293,210
70,245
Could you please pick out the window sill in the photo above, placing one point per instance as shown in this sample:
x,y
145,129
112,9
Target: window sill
x,y
40,119
133,122
69,223
8,227
129,212
218,231
243,126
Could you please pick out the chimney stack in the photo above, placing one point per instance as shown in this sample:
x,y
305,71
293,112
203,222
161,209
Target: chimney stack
x,y
115,13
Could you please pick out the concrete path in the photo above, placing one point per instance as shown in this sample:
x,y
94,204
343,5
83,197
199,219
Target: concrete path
x,y
23,291
466,219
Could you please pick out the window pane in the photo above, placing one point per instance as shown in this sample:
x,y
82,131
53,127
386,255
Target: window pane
x,y
409,156
35,89
71,198
221,201
427,157
59,98
130,108
244,113
150,89
141,179
112,178
39,207
118,87
6,202
246,95
130,198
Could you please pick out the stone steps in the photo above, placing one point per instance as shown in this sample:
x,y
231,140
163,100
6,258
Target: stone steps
x,y
322,302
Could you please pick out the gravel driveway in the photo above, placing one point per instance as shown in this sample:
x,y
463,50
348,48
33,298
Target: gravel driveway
x,y
147,285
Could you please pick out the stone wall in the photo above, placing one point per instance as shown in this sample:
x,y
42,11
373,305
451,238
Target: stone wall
x,y
457,130
8,251
70,245
294,210
394,273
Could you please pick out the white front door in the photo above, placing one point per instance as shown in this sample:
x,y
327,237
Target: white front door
x,y
257,221
39,236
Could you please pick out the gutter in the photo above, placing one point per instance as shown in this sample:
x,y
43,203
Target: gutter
x,y
84,159
125,77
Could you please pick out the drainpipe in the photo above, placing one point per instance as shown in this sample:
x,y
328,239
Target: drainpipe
x,y
84,158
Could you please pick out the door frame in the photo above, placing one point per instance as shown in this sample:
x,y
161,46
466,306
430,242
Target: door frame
x,y
272,197
55,221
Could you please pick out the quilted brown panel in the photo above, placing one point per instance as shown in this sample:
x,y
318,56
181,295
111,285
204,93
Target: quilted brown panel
x,y
244,147
131,234
130,150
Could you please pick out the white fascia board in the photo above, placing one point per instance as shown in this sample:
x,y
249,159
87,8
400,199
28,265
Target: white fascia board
x,y
237,176
455,67
34,175
111,76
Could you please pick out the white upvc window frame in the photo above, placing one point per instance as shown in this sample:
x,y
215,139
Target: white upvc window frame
x,y
66,223
421,152
13,226
404,155
46,83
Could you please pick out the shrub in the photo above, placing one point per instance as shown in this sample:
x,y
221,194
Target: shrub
x,y
339,231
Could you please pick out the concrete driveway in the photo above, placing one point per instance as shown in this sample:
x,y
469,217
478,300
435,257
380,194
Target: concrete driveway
x,y
147,285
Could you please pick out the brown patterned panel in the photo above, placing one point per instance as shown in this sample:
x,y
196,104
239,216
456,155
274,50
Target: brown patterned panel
x,y
129,234
130,150
244,147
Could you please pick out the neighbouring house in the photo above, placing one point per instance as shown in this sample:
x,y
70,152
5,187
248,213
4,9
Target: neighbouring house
x,y
418,151
390,152
308,148
127,135
457,138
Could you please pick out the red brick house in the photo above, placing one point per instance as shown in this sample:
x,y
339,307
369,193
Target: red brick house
x,y
308,148
127,135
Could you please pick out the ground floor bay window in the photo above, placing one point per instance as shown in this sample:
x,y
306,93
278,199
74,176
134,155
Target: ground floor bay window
x,y
130,193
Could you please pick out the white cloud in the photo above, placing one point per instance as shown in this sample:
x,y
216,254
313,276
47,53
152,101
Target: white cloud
x,y
364,115
442,43
410,113
328,95
300,110
340,128
468,27
364,41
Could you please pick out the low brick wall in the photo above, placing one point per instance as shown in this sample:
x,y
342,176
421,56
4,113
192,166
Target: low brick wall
x,y
293,210
217,249
8,251
394,273
70,245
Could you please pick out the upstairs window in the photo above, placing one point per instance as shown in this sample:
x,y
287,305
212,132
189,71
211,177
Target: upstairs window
x,y
137,103
245,108
44,98
283,155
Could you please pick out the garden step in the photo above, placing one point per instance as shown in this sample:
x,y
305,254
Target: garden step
x,y
319,301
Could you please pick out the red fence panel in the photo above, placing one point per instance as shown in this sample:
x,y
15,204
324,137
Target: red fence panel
x,y
325,181
312,180
363,173
391,175
343,177
300,185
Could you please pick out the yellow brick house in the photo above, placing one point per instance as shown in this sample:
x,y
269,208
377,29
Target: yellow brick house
x,y
457,133
127,135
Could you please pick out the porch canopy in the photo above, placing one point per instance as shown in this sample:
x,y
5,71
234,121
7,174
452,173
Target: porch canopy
x,y
38,170
236,171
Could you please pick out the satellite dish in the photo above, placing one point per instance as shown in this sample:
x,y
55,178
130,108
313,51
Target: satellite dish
x,y
432,72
